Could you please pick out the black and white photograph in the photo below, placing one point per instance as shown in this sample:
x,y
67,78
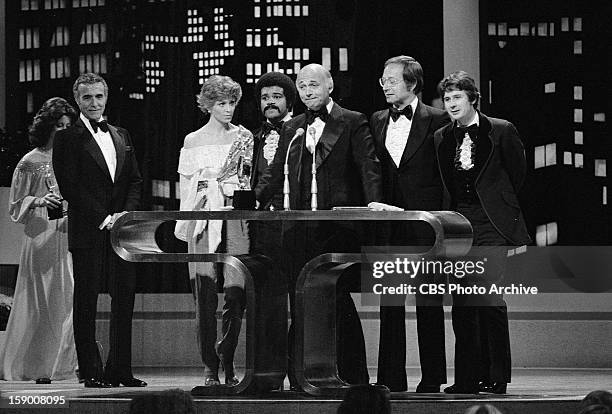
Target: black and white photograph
x,y
305,206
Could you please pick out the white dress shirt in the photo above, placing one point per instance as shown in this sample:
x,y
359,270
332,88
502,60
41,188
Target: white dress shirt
x,y
318,126
397,134
105,142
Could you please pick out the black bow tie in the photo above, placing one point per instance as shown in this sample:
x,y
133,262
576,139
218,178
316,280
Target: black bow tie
x,y
471,130
103,125
322,114
396,113
267,127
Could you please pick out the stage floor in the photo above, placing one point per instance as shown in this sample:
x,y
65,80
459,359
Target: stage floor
x,y
532,390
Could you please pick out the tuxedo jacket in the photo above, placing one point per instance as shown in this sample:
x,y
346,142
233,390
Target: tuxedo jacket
x,y
500,178
85,182
348,171
257,154
415,183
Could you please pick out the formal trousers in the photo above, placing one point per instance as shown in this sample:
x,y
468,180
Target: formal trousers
x,y
97,270
480,322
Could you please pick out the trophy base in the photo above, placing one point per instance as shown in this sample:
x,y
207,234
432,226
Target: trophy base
x,y
55,213
244,200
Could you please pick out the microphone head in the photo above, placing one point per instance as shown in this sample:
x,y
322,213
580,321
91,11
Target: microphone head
x,y
299,132
312,131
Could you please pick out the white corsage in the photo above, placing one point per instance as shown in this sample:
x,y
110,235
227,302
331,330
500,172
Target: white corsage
x,y
269,149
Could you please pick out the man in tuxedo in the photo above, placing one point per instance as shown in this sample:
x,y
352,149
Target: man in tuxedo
x,y
483,167
275,94
348,174
97,173
403,135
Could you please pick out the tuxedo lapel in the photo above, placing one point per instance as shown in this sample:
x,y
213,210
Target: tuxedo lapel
x,y
331,133
119,149
91,146
257,145
446,153
418,133
380,129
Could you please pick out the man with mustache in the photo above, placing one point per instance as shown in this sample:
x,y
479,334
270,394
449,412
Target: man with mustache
x,y
275,94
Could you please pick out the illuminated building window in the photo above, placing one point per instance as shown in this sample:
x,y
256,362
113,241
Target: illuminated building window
x,y
551,154
578,160
60,37
577,115
59,68
296,67
269,67
55,4
605,195
539,157
289,53
92,63
256,12
567,158
29,70
30,102
305,54
29,38
296,54
304,10
268,11
94,33
29,4
600,168
577,93
343,58
546,234
296,10
326,58
578,138
281,53
288,10
249,69
88,3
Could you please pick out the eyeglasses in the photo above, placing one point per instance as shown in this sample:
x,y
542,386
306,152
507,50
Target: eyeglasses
x,y
390,81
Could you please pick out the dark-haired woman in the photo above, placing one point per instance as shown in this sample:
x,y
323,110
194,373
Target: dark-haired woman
x,y
39,337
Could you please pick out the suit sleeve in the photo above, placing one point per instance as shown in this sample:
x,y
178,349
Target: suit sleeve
x,y
364,155
513,156
134,190
66,168
271,180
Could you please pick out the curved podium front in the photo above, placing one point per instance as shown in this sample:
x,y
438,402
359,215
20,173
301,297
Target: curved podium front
x,y
133,239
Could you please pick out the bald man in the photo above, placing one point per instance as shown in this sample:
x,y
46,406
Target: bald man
x,y
348,174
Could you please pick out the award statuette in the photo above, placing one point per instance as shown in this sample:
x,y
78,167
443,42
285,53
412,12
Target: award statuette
x,y
244,198
53,213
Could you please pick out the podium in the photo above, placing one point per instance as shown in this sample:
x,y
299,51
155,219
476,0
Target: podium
x,y
133,239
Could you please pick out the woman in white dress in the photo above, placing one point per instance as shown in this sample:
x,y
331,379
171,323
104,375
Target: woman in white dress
x,y
208,168
39,337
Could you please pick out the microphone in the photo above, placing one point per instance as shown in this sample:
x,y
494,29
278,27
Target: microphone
x,y
298,133
313,186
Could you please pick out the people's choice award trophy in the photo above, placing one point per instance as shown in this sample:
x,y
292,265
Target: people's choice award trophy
x,y
244,198
58,212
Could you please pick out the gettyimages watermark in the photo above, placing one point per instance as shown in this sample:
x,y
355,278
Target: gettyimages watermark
x,y
390,274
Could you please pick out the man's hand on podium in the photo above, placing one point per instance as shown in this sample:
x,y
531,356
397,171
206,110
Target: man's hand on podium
x,y
114,218
376,206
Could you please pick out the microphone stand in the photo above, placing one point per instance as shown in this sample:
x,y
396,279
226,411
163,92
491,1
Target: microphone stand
x,y
286,206
313,185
